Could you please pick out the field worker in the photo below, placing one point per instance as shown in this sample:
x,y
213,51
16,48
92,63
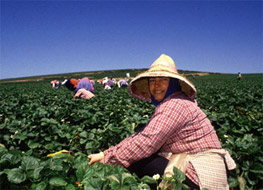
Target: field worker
x,y
71,84
86,84
122,83
179,134
105,80
83,93
107,84
239,76
55,83
111,82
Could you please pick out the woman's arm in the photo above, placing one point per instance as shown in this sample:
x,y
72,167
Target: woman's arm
x,y
167,118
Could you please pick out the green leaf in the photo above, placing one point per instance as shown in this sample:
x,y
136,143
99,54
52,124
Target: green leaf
x,y
70,187
80,173
20,136
3,151
178,175
233,182
47,138
91,136
29,163
57,181
49,146
89,145
115,185
179,187
242,182
144,186
257,168
113,178
37,171
32,144
93,183
53,121
40,186
16,175
116,129
65,157
256,171
56,165
129,182
148,179
83,134
89,186
82,141
12,157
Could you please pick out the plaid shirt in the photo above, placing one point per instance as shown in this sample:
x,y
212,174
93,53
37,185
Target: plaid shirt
x,y
83,93
178,125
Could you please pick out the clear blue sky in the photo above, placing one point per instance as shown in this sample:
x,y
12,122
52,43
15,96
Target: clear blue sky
x,y
51,37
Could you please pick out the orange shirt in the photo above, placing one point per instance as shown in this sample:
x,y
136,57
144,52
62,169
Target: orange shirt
x,y
74,82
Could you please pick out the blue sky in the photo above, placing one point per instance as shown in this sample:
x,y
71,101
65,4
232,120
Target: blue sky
x,y
51,37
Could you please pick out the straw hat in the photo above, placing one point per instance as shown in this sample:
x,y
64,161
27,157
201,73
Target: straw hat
x,y
162,67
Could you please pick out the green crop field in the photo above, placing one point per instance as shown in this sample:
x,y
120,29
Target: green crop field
x,y
36,120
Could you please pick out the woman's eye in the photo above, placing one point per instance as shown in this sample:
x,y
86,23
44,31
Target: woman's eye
x,y
164,79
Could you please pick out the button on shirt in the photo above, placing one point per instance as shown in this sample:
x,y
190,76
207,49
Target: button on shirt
x,y
178,125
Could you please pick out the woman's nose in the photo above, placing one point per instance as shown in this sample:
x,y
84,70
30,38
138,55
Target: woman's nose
x,y
157,83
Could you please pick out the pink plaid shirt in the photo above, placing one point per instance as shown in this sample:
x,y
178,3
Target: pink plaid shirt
x,y
83,93
178,125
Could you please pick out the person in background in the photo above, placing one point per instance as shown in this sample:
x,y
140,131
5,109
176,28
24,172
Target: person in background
x,y
179,134
55,83
86,84
84,89
111,82
122,83
239,76
83,93
106,86
107,83
71,84
105,80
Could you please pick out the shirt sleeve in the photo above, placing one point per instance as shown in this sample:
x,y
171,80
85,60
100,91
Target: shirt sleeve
x,y
78,93
168,118
89,94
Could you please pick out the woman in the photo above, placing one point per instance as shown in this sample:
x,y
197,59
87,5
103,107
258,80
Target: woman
x,y
122,83
85,83
178,135
71,84
84,89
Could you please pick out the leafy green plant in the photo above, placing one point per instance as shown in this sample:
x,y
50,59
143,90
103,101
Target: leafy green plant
x,y
36,120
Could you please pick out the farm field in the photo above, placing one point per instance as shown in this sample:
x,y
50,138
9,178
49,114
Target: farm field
x,y
36,120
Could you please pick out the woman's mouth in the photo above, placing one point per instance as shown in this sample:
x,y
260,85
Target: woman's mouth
x,y
158,92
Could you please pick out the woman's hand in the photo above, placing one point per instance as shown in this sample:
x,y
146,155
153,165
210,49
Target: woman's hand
x,y
95,158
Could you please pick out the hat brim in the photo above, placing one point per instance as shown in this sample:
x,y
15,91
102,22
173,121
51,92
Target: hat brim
x,y
138,87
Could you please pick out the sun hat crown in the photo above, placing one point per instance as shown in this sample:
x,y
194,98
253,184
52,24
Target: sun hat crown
x,y
165,63
163,66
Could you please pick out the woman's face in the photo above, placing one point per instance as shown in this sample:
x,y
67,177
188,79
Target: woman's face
x,y
158,87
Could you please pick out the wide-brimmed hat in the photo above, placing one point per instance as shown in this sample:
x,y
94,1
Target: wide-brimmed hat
x,y
162,67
